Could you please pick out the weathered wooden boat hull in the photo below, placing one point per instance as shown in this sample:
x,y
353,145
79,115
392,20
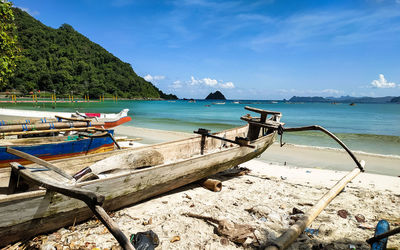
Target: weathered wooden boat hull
x,y
27,214
60,148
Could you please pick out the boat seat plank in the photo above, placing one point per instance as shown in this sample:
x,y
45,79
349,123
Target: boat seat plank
x,y
256,121
5,174
262,111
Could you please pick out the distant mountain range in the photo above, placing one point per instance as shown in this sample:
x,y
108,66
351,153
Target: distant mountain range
x,y
346,99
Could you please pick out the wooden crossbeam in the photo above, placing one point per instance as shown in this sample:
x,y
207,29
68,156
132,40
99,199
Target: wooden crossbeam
x,y
262,111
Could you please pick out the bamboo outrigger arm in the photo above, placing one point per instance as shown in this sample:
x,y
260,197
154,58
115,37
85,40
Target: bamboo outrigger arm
x,y
317,127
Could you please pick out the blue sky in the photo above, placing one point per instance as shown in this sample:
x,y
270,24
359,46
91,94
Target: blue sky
x,y
270,49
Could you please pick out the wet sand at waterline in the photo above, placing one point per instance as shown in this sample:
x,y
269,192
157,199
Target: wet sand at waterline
x,y
263,199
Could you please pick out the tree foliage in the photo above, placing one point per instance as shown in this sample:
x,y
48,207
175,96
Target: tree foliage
x,y
65,61
8,45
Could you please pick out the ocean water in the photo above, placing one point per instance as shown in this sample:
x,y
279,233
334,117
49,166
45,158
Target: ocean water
x,y
372,128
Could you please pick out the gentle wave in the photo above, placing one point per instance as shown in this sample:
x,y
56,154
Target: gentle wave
x,y
342,150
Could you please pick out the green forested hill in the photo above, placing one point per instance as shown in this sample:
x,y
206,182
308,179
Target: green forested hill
x,y
64,60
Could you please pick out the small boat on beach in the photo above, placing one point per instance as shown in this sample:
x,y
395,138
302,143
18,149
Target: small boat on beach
x,y
56,147
110,119
120,178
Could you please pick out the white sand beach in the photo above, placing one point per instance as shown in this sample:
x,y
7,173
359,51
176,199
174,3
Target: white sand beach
x,y
263,199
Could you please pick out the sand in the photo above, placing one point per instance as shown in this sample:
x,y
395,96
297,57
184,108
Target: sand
x,y
263,199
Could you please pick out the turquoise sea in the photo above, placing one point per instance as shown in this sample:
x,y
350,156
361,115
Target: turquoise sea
x,y
373,128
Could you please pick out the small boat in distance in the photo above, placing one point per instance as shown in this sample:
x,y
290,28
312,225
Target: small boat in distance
x,y
123,177
218,103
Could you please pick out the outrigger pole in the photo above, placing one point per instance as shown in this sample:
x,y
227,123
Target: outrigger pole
x,y
291,234
93,200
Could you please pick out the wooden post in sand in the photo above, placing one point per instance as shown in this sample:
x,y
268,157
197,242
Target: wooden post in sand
x,y
290,235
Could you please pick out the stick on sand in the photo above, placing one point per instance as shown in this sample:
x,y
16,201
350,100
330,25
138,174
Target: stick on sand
x,y
290,235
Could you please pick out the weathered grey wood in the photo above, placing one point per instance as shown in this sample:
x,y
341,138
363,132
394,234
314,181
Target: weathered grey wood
x,y
384,235
182,164
48,126
291,234
265,124
73,119
78,193
127,160
262,111
92,200
27,121
47,131
5,174
112,227
38,161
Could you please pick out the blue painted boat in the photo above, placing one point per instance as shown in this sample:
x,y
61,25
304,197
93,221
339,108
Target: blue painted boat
x,y
56,147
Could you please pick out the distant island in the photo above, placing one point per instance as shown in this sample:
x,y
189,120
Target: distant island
x,y
215,96
346,99
396,100
64,62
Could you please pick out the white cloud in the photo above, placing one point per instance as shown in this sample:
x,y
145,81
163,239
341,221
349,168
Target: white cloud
x,y
151,78
382,83
210,82
177,84
227,85
30,12
194,81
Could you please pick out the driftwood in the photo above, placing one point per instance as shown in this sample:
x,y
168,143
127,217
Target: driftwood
x,y
384,235
290,235
211,184
237,233
92,200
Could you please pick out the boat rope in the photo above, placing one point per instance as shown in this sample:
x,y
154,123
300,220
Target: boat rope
x,y
282,129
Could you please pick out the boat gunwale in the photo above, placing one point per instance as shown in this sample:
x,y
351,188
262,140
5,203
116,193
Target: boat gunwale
x,y
39,193
165,165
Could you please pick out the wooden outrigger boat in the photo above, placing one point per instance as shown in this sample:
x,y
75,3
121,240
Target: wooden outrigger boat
x,y
121,178
56,147
110,120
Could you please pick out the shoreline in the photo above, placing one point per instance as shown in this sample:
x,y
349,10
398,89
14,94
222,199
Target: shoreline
x,y
290,154
280,180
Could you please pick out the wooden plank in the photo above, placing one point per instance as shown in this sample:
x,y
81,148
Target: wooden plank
x,y
73,119
5,174
47,131
262,111
291,234
86,196
38,161
92,199
256,122
48,126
